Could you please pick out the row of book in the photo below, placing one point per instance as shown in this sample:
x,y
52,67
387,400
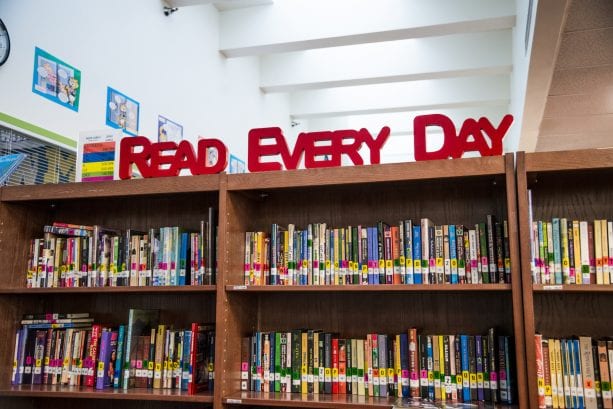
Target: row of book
x,y
460,368
70,349
572,251
92,256
574,372
406,253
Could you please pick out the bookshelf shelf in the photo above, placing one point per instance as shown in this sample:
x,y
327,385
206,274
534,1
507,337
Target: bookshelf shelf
x,y
307,401
419,288
575,185
586,288
113,290
119,188
485,166
52,391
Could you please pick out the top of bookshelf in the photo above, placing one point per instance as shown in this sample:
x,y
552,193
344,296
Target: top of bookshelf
x,y
435,169
584,159
119,188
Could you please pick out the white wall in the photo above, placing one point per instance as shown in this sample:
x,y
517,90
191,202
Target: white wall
x,y
521,65
171,65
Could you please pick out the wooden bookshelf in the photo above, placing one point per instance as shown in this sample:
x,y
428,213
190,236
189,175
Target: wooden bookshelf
x,y
450,191
134,204
454,191
575,185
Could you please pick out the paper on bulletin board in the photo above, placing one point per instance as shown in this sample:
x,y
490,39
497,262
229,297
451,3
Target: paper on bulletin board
x,y
96,155
56,80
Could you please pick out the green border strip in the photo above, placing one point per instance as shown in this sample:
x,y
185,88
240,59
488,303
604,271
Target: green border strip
x,y
37,130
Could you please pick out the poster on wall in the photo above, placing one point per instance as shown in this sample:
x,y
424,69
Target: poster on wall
x,y
236,165
121,112
56,80
96,154
169,130
8,164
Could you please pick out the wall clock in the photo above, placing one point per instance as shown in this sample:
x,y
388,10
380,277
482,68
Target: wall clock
x,y
5,43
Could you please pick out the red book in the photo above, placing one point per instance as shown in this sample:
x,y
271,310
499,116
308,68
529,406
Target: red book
x,y
92,355
334,365
342,366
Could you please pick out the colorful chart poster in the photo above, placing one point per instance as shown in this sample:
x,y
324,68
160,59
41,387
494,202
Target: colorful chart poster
x,y
169,130
236,165
56,80
8,164
121,112
96,153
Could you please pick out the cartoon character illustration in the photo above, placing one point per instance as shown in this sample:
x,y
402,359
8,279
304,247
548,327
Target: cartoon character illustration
x,y
122,119
71,90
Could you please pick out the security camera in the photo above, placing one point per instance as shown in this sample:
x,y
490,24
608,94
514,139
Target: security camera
x,y
169,10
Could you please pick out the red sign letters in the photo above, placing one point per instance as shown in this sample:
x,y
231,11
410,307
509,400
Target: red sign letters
x,y
317,149
309,145
152,162
454,146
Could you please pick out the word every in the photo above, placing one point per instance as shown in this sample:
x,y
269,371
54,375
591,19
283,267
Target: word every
x,y
168,159
270,144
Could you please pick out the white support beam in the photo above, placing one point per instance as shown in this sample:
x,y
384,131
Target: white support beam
x,y
398,97
294,25
548,27
395,61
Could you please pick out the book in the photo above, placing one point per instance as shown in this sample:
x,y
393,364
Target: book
x,y
140,322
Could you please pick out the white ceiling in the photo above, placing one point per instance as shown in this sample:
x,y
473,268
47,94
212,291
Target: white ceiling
x,y
350,59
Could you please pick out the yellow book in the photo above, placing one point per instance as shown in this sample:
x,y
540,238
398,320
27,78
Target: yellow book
x,y
558,375
552,373
304,368
436,362
441,352
598,251
397,369
160,339
336,264
577,246
605,250
564,251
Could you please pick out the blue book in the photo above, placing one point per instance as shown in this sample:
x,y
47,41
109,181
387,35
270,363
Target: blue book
x,y
118,373
408,251
430,352
453,254
183,260
185,370
465,368
404,364
565,372
21,355
104,358
271,360
417,275
479,357
578,374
